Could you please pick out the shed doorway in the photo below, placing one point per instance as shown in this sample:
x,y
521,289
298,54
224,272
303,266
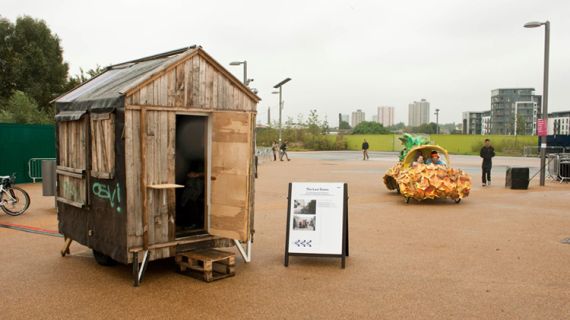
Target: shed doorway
x,y
191,166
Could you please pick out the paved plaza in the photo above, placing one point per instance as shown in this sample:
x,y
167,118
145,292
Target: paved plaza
x,y
496,255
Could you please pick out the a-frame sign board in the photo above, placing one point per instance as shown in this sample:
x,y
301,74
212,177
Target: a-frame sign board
x,y
317,220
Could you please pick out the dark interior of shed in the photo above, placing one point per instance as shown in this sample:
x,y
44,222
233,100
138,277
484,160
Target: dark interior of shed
x,y
191,135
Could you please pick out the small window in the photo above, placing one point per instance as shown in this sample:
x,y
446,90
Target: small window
x,y
72,161
103,145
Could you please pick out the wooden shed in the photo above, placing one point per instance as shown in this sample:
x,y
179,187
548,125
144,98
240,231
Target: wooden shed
x,y
131,143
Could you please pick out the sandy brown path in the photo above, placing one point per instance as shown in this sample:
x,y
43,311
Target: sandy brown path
x,y
497,255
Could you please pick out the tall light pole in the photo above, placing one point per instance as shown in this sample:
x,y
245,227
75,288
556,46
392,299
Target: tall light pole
x,y
437,121
246,81
546,24
280,87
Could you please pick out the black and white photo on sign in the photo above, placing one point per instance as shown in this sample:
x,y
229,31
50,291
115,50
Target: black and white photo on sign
x,y
304,222
302,206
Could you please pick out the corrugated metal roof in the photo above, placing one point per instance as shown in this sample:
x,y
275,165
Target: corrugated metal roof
x,y
103,93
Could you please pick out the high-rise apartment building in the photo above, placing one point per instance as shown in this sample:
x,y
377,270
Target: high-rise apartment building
x,y
472,122
514,109
357,117
559,123
477,122
486,122
385,116
418,113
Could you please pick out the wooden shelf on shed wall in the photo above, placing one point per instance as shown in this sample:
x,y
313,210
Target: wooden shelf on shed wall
x,y
164,186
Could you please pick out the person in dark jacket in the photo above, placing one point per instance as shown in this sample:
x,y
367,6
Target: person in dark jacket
x,y
283,149
275,149
365,147
487,153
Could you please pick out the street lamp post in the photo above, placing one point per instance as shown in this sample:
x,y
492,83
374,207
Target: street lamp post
x,y
437,121
546,25
280,87
246,81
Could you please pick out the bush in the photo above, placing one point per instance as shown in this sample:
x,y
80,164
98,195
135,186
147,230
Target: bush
x,y
22,109
301,139
322,142
369,127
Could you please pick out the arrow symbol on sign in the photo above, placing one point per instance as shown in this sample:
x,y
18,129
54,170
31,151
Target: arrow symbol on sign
x,y
303,243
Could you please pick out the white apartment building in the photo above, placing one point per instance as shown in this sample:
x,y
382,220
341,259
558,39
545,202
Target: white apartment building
x,y
385,116
559,123
418,113
357,117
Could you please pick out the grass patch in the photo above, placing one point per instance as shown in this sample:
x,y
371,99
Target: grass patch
x,y
457,144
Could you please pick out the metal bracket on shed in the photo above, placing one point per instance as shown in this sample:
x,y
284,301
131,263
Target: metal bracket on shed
x,y
245,252
138,270
65,250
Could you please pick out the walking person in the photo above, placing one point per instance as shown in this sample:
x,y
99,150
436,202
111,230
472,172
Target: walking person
x,y
283,149
487,153
275,149
365,147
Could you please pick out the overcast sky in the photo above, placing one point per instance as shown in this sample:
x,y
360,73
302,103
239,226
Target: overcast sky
x,y
341,55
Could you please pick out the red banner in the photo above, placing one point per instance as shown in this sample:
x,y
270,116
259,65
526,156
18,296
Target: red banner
x,y
541,129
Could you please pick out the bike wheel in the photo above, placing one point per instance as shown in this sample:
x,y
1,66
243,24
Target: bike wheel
x,y
15,201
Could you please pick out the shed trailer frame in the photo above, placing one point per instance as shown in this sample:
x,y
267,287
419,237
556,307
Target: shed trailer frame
x,y
116,156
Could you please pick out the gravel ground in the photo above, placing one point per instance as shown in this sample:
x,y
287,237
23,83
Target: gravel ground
x,y
496,255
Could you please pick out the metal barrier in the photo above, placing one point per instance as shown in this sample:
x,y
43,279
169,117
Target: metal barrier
x,y
35,168
559,166
263,153
553,166
564,167
533,151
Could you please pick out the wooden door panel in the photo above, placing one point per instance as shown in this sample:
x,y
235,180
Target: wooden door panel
x,y
231,170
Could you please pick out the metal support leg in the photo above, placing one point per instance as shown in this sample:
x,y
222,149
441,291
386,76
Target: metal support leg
x,y
245,252
139,270
65,249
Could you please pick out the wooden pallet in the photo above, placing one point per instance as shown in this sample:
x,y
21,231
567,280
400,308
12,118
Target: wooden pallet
x,y
209,264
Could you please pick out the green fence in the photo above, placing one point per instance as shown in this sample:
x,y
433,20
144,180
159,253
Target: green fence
x,y
21,142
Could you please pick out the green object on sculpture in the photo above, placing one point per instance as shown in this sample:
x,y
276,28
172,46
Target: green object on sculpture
x,y
409,141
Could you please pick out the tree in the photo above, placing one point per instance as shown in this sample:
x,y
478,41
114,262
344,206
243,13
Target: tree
x,y
313,122
22,109
31,61
343,125
521,125
83,77
448,128
7,60
325,126
369,127
427,128
397,127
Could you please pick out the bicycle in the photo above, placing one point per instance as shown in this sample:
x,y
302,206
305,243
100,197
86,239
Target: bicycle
x,y
13,200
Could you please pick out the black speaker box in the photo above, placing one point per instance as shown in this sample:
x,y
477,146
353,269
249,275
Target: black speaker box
x,y
517,178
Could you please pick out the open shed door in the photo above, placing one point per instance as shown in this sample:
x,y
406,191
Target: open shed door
x,y
232,153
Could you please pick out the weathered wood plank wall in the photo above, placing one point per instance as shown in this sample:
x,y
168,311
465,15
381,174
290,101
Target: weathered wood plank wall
x,y
160,141
103,145
231,168
195,84
72,183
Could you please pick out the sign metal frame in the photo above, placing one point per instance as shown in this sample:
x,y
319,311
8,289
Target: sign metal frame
x,y
345,242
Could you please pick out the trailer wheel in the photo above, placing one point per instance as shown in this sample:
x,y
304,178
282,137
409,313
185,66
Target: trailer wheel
x,y
457,200
103,259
